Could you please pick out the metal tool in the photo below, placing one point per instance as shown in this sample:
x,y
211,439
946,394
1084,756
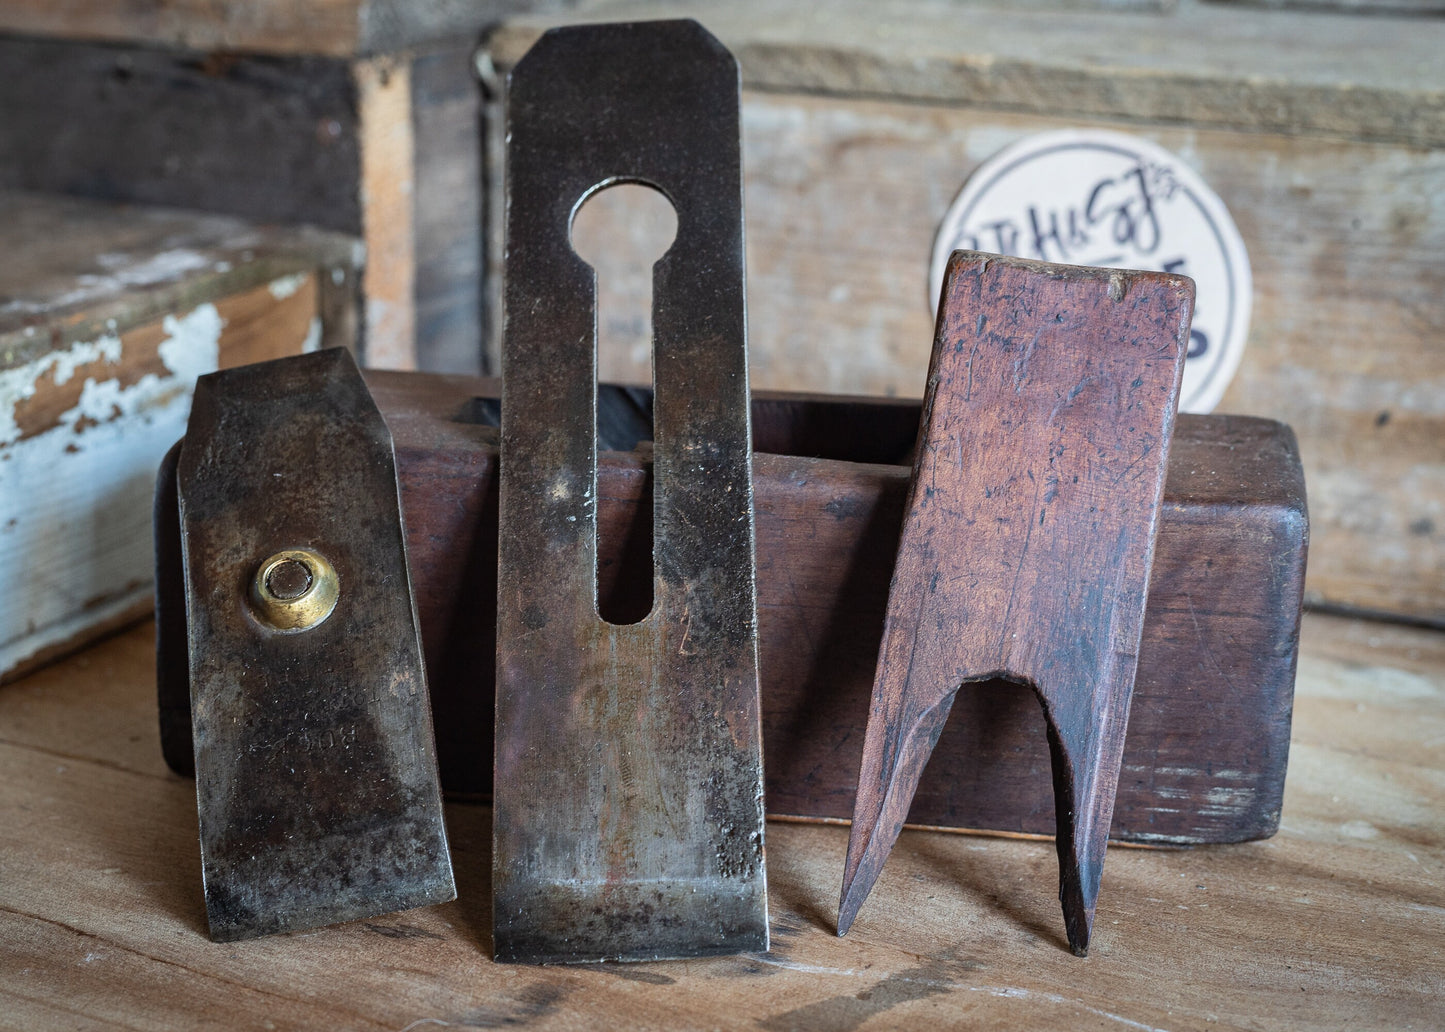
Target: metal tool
x,y
628,810
316,776
1028,539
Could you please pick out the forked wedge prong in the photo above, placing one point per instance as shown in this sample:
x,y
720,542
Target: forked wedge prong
x,y
885,790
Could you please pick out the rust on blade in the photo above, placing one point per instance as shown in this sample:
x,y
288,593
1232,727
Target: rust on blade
x,y
628,820
316,776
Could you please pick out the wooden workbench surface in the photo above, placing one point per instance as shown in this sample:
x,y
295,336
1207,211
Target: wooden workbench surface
x,y
1338,922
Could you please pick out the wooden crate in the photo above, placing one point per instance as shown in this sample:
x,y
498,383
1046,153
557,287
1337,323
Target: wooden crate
x,y
107,315
1323,133
383,146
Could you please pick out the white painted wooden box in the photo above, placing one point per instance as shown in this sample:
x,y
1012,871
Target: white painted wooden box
x,y
107,316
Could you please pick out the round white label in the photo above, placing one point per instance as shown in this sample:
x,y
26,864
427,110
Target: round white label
x,y
1092,197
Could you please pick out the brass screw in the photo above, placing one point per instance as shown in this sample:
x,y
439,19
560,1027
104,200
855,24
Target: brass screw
x,y
294,590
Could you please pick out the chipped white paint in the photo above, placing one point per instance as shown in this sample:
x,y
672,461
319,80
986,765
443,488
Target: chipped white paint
x,y
192,346
120,272
75,499
19,384
155,268
286,286
1227,802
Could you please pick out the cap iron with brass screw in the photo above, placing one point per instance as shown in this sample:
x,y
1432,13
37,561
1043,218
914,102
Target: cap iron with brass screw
x,y
294,590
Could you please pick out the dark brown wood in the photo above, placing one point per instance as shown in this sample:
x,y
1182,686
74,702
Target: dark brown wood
x,y
1210,723
272,139
1028,540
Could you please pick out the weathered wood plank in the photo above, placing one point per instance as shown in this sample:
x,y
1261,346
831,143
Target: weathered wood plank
x,y
87,427
73,269
844,199
1380,7
1335,922
328,27
1366,78
297,140
273,139
447,123
385,188
334,28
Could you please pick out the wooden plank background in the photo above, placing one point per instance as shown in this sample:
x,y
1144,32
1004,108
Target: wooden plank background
x,y
1337,922
847,184
1345,239
1197,63
267,139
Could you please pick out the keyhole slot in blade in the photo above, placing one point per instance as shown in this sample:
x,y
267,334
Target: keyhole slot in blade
x,y
621,229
